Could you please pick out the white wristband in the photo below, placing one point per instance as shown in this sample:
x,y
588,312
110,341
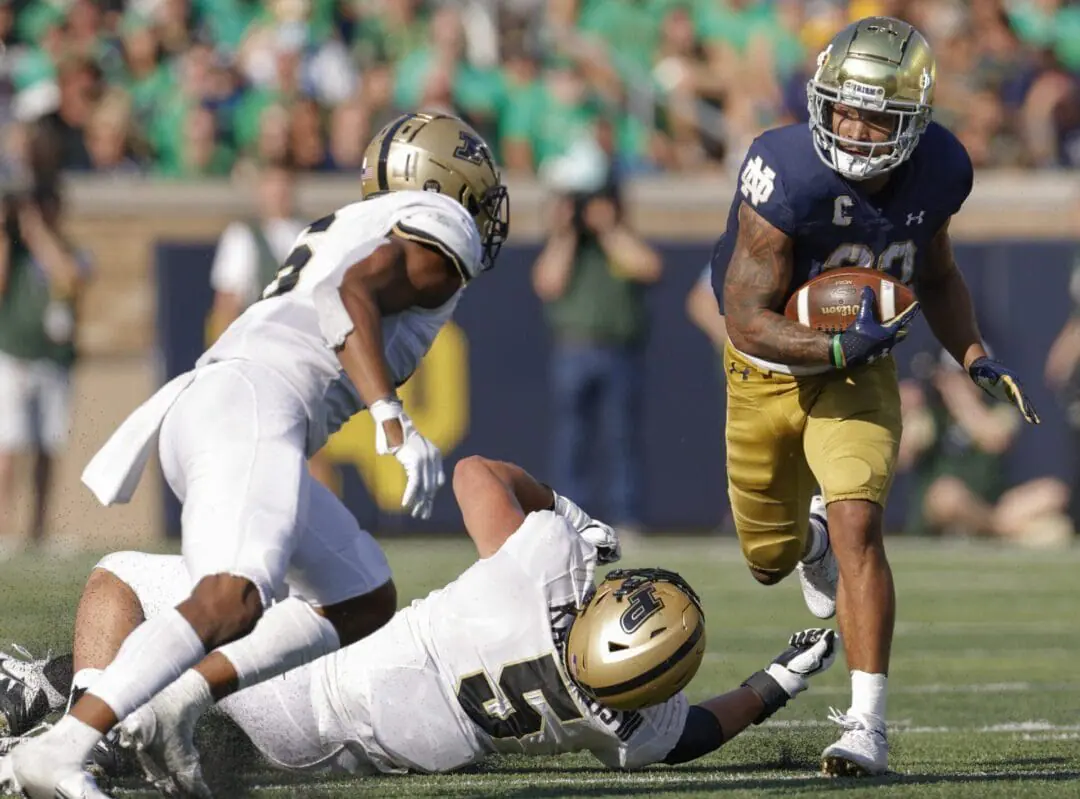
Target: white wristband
x,y
386,409
792,683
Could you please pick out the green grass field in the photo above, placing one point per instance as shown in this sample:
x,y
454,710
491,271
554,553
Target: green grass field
x,y
985,694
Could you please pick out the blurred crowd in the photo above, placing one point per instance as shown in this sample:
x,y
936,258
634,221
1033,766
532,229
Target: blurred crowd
x,y
192,88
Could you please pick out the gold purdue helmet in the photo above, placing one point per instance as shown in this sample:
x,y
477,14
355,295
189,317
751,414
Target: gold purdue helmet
x,y
638,641
877,64
441,153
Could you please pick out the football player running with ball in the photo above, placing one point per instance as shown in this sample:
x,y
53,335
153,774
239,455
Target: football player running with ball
x,y
521,654
871,182
351,313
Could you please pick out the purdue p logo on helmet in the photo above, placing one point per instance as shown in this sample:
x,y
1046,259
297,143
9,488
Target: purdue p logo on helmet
x,y
639,640
441,153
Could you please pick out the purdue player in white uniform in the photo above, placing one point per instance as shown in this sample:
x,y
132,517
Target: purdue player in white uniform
x,y
520,654
349,316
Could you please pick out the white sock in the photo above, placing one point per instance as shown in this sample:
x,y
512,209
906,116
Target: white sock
x,y
818,543
192,691
71,741
84,678
157,652
288,635
868,693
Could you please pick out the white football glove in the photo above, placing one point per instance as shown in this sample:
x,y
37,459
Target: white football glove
x,y
421,459
809,653
600,535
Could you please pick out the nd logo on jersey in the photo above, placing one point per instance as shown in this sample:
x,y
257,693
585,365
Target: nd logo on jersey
x,y
757,181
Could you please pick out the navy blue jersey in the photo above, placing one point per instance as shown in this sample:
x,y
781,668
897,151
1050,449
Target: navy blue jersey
x,y
833,221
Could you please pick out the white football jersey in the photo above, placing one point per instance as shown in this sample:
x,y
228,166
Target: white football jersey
x,y
476,668
282,330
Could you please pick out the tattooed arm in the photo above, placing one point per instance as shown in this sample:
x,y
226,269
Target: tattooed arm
x,y
946,301
756,281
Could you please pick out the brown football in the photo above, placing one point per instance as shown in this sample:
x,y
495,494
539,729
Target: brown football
x,y
830,301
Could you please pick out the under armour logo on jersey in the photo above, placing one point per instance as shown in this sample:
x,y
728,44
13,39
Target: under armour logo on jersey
x,y
735,370
757,181
916,219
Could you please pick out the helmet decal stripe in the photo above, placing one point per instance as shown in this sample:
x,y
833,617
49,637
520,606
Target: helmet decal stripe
x,y
656,671
384,150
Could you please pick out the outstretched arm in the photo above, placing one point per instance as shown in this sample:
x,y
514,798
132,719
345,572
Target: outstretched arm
x,y
755,283
946,301
716,721
398,275
494,497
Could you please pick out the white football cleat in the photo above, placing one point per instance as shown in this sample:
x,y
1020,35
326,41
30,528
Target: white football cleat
x,y
819,577
28,772
162,734
862,751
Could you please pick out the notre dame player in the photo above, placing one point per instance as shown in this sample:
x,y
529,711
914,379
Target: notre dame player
x,y
520,654
354,308
871,182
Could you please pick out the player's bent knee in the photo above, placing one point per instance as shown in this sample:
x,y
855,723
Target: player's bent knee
x,y
123,566
360,616
223,608
772,562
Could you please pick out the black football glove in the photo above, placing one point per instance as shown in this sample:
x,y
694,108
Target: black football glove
x,y
866,339
1002,383
809,652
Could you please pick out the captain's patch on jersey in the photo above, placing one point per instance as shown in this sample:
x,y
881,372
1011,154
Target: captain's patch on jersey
x,y
757,181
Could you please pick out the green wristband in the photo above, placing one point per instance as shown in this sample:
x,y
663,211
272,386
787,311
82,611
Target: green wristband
x,y
836,353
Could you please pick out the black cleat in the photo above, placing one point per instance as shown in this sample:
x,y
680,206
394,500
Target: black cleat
x,y
27,696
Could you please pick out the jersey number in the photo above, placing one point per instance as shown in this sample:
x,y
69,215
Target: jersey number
x,y
899,253
510,712
287,276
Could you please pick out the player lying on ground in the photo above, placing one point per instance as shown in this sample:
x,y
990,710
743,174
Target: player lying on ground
x,y
350,315
871,182
520,654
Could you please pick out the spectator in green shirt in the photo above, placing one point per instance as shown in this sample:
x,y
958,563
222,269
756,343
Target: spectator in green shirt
x,y
41,279
542,120
591,276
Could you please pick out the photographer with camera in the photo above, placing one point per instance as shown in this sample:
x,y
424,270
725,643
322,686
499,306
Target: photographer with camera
x,y
591,276
41,278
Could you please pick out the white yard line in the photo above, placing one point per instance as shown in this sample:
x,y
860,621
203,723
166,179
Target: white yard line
x,y
922,629
905,727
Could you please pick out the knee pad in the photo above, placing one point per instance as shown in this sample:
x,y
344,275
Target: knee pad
x,y
778,557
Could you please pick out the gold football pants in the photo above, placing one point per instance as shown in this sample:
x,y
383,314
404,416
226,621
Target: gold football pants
x,y
786,435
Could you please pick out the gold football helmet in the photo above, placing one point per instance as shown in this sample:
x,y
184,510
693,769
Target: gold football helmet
x,y
877,64
638,641
441,153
